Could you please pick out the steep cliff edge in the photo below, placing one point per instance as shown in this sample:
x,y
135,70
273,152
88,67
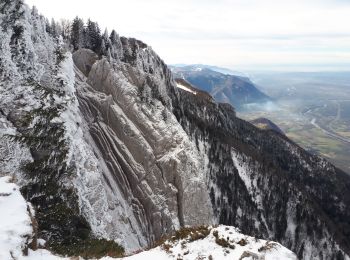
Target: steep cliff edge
x,y
149,158
267,185
113,142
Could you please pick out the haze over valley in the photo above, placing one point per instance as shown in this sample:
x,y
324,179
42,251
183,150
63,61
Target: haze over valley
x,y
313,109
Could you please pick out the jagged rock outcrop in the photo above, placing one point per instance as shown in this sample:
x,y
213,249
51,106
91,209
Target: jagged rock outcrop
x,y
142,157
149,158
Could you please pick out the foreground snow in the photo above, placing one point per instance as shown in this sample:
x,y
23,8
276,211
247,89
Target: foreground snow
x,y
16,225
42,254
222,242
14,220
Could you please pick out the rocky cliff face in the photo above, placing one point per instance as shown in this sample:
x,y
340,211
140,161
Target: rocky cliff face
x,y
149,159
133,157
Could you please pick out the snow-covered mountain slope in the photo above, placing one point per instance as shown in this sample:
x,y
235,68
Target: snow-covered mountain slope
x,y
218,243
113,150
40,137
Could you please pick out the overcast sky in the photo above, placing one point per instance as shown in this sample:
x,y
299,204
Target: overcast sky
x,y
295,35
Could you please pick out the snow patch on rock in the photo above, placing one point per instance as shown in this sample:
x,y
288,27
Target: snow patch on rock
x,y
223,242
186,88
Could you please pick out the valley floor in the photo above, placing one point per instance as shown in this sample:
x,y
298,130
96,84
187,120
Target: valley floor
x,y
313,109
319,129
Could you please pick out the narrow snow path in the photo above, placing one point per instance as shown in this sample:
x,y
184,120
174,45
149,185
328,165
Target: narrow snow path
x,y
186,88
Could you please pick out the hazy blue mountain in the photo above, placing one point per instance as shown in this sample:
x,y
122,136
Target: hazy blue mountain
x,y
211,67
225,88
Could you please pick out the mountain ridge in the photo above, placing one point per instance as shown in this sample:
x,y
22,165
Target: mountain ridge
x,y
227,88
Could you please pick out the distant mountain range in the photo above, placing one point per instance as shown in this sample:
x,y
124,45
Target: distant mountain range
x,y
222,84
212,67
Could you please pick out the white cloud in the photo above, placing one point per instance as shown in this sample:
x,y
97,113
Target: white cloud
x,y
247,34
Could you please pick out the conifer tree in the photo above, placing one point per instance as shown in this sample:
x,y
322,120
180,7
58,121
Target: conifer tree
x,y
115,45
66,26
93,37
54,29
106,44
48,26
77,33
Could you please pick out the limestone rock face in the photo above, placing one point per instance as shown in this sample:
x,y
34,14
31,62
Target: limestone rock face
x,y
84,59
149,157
